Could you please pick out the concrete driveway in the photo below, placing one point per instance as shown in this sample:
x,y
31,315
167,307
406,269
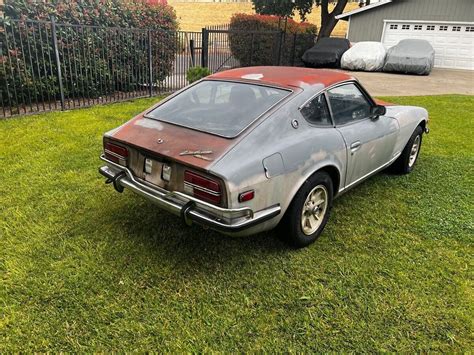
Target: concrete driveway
x,y
439,82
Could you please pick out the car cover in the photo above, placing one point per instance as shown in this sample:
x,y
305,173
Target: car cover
x,y
326,53
411,56
364,56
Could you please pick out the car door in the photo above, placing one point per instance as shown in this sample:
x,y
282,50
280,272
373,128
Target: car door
x,y
369,141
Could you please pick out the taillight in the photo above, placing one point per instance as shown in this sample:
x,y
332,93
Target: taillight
x,y
204,188
116,153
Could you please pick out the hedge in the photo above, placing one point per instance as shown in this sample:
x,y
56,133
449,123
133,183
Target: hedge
x,y
263,48
104,53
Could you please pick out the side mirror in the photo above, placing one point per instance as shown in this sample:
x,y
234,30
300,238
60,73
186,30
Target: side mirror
x,y
378,110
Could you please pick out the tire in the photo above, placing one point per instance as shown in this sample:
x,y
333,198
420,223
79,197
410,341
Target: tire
x,y
309,211
406,161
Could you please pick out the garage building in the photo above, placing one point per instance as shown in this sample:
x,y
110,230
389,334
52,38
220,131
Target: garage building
x,y
447,24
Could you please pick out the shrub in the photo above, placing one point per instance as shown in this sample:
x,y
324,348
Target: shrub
x,y
111,57
263,48
152,14
196,73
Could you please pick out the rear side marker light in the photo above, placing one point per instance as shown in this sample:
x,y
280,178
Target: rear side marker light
x,y
246,196
116,153
202,187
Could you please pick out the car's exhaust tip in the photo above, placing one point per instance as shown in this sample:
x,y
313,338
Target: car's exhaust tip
x,y
114,179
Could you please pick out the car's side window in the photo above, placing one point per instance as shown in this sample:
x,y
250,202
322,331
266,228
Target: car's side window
x,y
316,111
348,104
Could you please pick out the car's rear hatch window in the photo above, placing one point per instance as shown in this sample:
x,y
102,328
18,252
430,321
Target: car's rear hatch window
x,y
222,108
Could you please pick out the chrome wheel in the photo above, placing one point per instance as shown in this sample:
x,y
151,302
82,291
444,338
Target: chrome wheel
x,y
314,209
414,151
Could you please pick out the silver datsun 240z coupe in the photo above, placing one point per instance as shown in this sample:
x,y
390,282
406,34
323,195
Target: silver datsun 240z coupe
x,y
245,150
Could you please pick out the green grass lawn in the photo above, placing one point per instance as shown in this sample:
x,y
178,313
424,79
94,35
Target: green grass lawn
x,y
83,268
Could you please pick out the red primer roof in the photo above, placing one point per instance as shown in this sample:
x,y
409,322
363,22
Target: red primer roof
x,y
284,76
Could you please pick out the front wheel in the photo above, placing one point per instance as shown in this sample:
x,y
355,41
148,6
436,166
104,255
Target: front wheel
x,y
406,161
308,213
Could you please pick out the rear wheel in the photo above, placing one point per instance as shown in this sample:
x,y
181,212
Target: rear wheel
x,y
406,161
308,213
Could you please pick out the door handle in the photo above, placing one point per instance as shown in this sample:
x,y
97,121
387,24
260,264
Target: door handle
x,y
355,146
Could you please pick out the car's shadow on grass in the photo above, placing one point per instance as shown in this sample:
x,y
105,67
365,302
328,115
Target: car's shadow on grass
x,y
149,234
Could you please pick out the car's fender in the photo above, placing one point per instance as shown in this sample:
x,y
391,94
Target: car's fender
x,y
408,117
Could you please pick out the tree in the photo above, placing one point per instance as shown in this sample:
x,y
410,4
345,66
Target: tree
x,y
328,19
287,8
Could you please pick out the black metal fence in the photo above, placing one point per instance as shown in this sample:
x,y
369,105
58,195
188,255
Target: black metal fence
x,y
48,66
230,48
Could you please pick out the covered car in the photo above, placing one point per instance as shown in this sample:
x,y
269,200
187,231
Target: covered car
x,y
326,53
410,56
364,56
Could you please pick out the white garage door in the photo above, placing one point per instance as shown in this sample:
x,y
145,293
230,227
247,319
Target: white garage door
x,y
453,43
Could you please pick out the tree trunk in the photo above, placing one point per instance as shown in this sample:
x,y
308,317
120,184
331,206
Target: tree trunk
x,y
327,26
328,19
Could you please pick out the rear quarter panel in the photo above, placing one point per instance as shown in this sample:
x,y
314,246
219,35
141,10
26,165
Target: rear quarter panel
x,y
303,151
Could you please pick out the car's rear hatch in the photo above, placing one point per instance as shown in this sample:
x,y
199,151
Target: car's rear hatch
x,y
164,140
157,148
175,144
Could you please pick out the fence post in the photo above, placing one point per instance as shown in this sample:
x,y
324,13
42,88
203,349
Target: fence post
x,y
150,65
280,45
293,51
58,62
192,49
205,48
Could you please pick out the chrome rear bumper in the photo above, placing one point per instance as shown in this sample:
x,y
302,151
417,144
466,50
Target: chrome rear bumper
x,y
188,207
